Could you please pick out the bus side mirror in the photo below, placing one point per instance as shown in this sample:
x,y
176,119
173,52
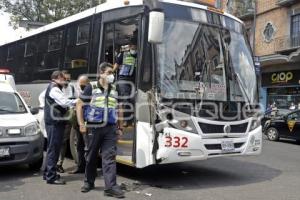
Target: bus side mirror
x,y
156,27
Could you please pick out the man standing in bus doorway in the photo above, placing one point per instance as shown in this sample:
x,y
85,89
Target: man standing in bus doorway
x,y
81,146
126,63
100,114
70,93
56,106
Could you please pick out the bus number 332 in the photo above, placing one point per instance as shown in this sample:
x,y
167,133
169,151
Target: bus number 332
x,y
176,142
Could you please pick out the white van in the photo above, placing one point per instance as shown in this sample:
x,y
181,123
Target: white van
x,y
21,141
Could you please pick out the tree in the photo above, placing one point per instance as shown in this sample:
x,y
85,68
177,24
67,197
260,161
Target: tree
x,y
45,11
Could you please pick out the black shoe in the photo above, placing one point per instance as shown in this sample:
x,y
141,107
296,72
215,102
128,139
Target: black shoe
x,y
57,182
57,177
117,193
77,171
60,169
87,187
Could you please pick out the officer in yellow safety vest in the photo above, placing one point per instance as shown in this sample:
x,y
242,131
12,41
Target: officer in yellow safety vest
x,y
97,117
126,64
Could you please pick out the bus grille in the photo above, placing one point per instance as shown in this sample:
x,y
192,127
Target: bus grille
x,y
215,129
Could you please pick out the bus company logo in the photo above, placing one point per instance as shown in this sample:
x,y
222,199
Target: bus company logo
x,y
227,128
282,77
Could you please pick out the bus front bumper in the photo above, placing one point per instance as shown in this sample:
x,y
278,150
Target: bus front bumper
x,y
198,148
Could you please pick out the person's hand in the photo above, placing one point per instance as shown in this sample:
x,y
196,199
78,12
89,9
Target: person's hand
x,y
82,129
119,133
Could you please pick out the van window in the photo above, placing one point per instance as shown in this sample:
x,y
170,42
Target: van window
x,y
11,103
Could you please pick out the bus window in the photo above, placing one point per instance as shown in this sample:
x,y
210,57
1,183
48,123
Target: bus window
x,y
55,41
83,33
76,55
10,53
20,57
30,48
42,50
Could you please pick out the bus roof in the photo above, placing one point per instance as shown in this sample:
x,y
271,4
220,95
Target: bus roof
x,y
109,5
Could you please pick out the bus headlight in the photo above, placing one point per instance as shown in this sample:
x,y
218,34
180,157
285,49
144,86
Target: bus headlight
x,y
254,124
31,129
185,125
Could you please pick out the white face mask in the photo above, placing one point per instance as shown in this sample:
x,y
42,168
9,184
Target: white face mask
x,y
132,51
110,78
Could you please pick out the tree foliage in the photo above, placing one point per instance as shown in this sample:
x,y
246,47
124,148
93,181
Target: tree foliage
x,y
45,11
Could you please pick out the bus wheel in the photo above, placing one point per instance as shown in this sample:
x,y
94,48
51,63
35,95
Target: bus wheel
x,y
272,134
73,144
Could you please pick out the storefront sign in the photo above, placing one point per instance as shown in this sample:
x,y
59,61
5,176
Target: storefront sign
x,y
281,78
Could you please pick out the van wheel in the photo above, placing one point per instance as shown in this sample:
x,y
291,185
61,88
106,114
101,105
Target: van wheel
x,y
36,166
272,134
73,144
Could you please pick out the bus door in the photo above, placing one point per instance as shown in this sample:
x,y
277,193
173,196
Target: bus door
x,y
120,39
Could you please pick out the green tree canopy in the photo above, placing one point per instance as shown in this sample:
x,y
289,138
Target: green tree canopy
x,y
44,11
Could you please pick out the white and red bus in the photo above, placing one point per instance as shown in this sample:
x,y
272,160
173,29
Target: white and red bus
x,y
195,87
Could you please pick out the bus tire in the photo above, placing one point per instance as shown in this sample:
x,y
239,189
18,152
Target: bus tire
x,y
73,144
272,134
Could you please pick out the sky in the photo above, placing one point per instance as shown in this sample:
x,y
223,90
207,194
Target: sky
x,y
7,33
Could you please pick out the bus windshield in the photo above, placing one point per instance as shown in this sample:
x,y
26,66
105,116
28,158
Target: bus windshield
x,y
204,62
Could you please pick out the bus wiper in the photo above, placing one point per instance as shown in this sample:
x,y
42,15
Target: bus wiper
x,y
241,86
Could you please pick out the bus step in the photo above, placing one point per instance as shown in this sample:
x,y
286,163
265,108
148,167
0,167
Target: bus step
x,y
125,147
125,142
125,160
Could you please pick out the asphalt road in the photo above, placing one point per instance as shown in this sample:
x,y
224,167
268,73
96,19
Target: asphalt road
x,y
274,175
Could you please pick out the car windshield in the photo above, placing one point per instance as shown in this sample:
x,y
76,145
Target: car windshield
x,y
206,62
11,103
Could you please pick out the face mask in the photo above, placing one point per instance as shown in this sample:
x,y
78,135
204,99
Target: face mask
x,y
110,78
67,82
132,52
60,83
82,87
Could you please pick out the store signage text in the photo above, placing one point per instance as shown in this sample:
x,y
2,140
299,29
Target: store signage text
x,y
282,77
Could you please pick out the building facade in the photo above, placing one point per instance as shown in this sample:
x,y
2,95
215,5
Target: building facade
x,y
277,43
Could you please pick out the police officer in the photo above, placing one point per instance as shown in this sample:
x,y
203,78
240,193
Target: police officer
x,y
101,117
56,106
126,63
